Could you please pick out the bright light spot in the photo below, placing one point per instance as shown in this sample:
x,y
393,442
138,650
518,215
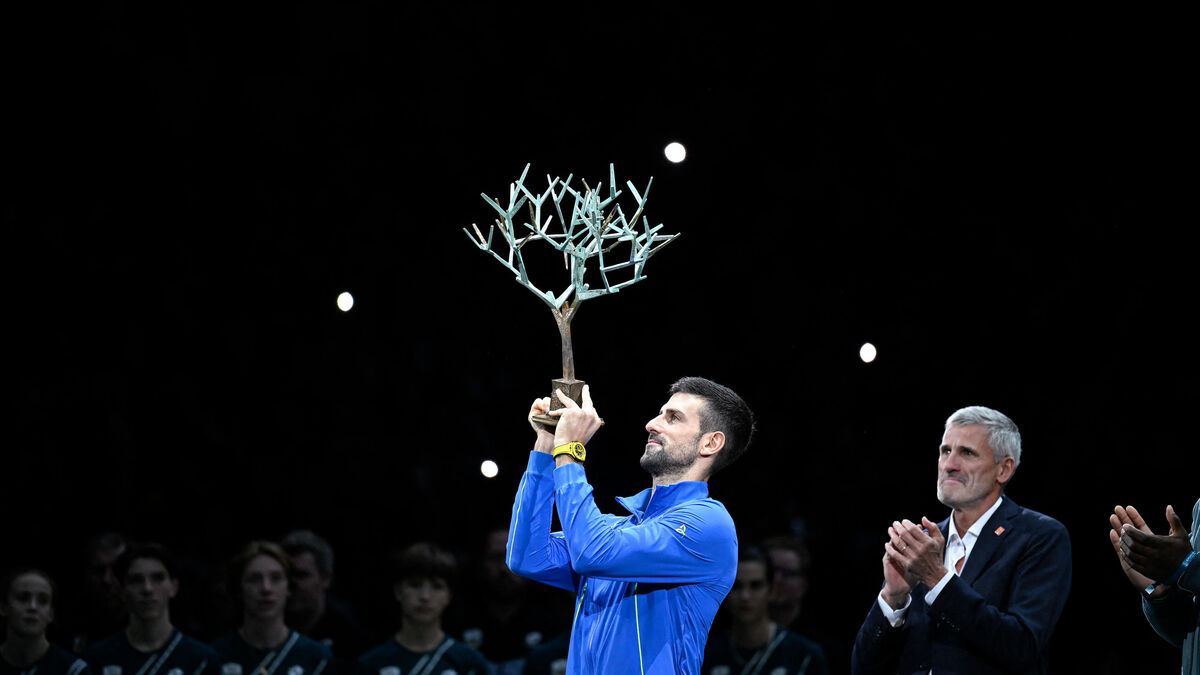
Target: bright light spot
x,y
675,152
489,469
867,352
345,301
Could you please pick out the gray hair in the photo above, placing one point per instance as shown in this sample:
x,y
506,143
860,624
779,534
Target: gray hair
x,y
1003,436
307,541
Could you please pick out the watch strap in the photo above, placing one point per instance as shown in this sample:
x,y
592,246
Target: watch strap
x,y
574,449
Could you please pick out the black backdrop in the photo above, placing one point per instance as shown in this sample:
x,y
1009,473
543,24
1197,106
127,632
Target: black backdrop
x,y
992,199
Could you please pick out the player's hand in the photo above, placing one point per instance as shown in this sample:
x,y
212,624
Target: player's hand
x,y
575,422
545,436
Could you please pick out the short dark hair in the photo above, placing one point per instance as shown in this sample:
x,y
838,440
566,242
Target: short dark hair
x,y
424,560
307,541
748,553
150,551
790,542
723,411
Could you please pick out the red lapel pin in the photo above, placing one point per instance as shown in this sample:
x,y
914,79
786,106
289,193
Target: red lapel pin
x,y
999,530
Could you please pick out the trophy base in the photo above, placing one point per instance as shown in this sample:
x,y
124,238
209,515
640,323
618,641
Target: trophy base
x,y
574,391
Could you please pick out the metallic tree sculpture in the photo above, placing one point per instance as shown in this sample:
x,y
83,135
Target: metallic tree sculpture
x,y
596,228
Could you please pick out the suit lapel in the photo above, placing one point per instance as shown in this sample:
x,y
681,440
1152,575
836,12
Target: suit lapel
x,y
995,532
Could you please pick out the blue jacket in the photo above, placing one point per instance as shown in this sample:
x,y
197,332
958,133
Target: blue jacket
x,y
996,617
648,585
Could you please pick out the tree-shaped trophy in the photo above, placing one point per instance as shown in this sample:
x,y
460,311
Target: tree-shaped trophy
x,y
597,228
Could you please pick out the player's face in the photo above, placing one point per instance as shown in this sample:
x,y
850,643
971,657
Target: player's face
x,y
308,586
674,438
264,587
423,599
967,471
27,609
751,591
148,588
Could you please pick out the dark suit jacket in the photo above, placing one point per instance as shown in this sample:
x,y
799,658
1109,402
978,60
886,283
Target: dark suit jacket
x,y
996,617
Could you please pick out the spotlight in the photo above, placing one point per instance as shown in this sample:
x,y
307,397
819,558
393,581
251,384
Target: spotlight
x,y
675,152
489,469
867,352
345,301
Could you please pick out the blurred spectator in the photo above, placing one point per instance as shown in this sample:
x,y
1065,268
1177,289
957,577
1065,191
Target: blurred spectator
x,y
258,581
150,643
311,608
423,580
501,621
27,609
791,561
755,643
102,612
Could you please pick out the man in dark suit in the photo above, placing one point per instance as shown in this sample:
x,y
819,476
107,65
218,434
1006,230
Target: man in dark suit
x,y
981,591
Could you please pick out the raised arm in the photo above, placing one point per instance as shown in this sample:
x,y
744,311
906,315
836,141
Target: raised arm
x,y
693,542
533,551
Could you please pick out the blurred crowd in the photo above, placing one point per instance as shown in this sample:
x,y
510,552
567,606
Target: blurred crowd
x,y
276,606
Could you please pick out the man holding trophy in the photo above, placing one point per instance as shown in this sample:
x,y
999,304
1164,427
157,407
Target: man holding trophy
x,y
649,584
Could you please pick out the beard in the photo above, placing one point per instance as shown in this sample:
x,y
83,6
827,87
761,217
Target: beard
x,y
665,459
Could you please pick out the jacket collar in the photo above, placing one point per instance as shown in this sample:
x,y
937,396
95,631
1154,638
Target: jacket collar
x,y
997,529
642,506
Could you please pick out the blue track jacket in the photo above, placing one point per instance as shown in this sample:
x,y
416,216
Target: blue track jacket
x,y
648,585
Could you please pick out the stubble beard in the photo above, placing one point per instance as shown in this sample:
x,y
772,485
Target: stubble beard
x,y
660,460
964,498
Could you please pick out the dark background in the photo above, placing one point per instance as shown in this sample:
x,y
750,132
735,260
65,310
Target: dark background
x,y
994,199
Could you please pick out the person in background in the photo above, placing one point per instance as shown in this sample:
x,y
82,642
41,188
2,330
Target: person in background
x,y
27,609
150,643
258,580
311,608
101,611
756,643
503,618
423,581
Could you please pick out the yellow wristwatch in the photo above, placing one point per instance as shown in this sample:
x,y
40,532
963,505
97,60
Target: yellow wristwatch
x,y
574,449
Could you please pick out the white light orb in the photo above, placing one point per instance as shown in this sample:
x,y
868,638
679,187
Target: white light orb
x,y
489,469
675,152
867,352
345,301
